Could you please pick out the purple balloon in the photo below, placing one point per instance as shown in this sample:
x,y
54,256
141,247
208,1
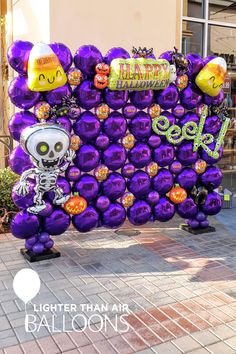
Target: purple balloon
x,y
49,244
102,142
168,97
57,222
167,55
141,125
212,177
20,95
72,173
215,101
208,58
163,181
87,126
87,158
164,154
193,223
19,161
43,237
176,167
200,216
212,204
18,55
87,220
19,121
178,111
23,201
141,99
87,94
204,223
114,186
55,96
115,126
48,210
128,170
164,210
24,225
210,160
189,117
153,197
102,203
63,184
87,187
185,153
129,111
187,178
65,123
139,213
38,248
115,99
190,97
114,53
154,141
140,155
63,53
195,64
212,125
114,156
86,58
139,184
29,242
171,117
114,216
74,113
187,209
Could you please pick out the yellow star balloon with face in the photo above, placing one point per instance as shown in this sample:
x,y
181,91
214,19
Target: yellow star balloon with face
x,y
45,72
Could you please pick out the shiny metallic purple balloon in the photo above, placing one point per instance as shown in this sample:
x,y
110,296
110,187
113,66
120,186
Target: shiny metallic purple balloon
x,y
115,126
54,97
140,155
129,111
212,204
178,111
18,55
20,95
189,117
212,125
204,223
187,209
114,156
154,141
114,216
128,170
19,161
139,184
185,153
141,99
63,53
171,117
153,197
141,125
38,248
87,187
164,154
195,64
63,184
187,178
166,55
57,222
212,177
102,142
24,201
44,237
168,97
139,213
87,94
65,123
24,225
164,210
208,58
114,186
87,127
176,167
102,203
87,220
19,121
48,210
163,181
86,58
30,242
215,101
72,173
193,223
116,52
115,99
190,97
210,160
200,216
87,158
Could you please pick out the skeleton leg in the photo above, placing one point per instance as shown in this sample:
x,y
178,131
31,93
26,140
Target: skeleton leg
x,y
60,198
39,203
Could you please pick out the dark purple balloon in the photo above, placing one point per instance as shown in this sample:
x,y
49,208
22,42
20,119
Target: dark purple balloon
x,y
72,173
114,156
20,95
114,186
86,58
190,97
141,125
19,161
24,201
87,94
115,126
19,121
200,216
65,123
208,58
168,97
129,111
116,52
48,210
29,242
193,223
204,223
114,216
63,53
212,204
87,220
57,222
153,197
163,181
215,101
87,187
164,154
139,184
43,237
164,210
187,178
176,167
24,225
141,99
140,155
167,55
212,125
210,160
115,99
49,244
102,203
128,170
18,55
102,142
63,184
187,209
87,158
139,213
185,153
154,141
55,96
195,64
212,177
87,126
178,111
189,117
38,248
171,117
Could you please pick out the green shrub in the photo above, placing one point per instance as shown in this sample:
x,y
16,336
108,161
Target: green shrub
x,y
7,181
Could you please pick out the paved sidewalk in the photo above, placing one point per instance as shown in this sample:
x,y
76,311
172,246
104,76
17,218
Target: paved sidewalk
x,y
180,289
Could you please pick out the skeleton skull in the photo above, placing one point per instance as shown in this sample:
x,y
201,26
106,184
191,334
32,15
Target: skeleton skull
x,y
47,144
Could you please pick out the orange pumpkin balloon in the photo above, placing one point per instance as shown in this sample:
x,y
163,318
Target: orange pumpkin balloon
x,y
75,142
177,195
75,205
102,68
100,81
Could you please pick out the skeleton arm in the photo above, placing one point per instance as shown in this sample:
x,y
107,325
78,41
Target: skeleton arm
x,y
22,188
69,157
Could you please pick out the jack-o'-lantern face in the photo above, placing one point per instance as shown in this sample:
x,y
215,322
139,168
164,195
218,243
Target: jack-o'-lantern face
x,y
102,69
101,173
182,81
127,200
154,110
100,81
102,111
75,142
128,141
177,195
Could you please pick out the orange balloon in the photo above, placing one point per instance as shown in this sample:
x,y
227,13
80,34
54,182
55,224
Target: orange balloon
x,y
75,205
75,142
102,69
177,195
100,81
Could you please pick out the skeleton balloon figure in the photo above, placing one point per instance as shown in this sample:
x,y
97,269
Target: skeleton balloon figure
x,y
48,147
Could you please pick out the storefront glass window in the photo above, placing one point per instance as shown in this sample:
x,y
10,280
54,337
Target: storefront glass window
x,y
193,8
192,37
222,11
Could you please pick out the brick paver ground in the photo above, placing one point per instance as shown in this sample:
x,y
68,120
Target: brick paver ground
x,y
180,288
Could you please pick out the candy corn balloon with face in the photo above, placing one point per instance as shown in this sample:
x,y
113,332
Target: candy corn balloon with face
x,y
45,72
211,78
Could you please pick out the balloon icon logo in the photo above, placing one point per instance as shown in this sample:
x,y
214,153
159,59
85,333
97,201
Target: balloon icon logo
x,y
26,284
